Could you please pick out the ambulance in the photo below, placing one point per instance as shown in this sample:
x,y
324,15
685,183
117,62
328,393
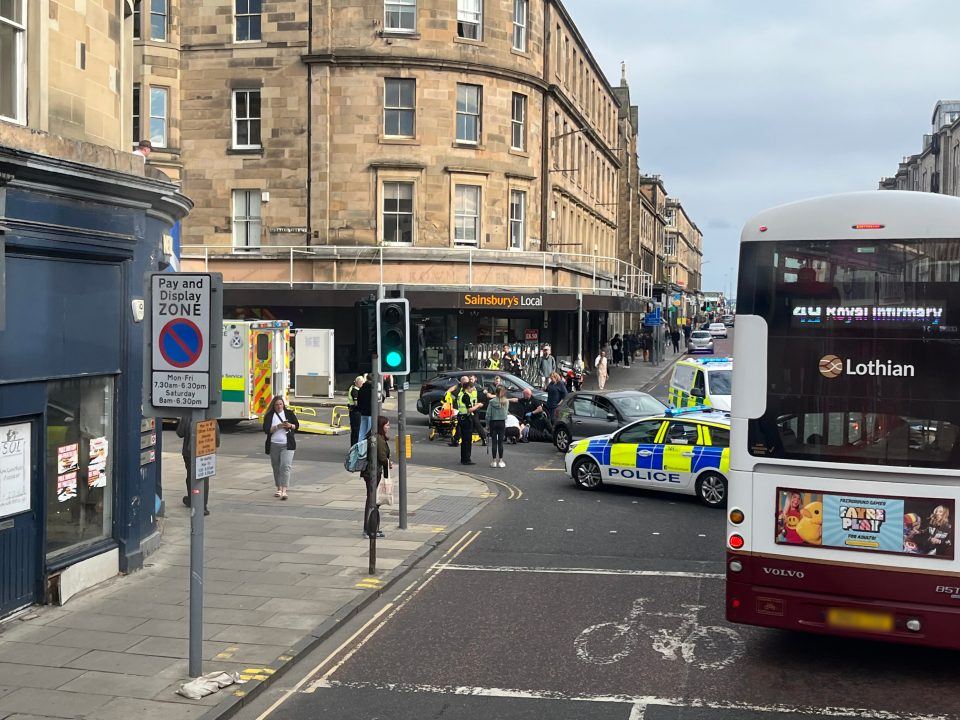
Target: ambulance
x,y
256,366
701,381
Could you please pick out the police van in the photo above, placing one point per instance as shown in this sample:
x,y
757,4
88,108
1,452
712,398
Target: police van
x,y
682,451
701,381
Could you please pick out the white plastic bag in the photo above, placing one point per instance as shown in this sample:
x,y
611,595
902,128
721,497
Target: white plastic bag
x,y
208,684
385,492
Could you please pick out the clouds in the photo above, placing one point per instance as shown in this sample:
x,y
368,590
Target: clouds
x,y
746,104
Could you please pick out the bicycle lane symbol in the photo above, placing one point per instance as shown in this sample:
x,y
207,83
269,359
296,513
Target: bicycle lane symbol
x,y
708,647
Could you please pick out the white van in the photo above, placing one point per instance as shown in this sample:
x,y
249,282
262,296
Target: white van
x,y
701,381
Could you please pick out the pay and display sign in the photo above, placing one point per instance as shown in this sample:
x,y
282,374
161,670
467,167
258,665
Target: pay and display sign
x,y
183,307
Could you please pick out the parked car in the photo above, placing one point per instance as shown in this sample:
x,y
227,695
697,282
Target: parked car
x,y
584,414
718,330
432,391
700,341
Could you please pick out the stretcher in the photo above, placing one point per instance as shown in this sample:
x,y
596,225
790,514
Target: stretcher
x,y
310,422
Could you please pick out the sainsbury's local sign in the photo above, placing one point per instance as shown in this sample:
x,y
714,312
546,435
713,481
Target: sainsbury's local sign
x,y
503,301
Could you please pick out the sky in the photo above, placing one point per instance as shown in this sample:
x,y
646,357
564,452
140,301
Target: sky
x,y
745,105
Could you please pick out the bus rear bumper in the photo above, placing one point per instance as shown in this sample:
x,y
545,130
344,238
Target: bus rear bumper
x,y
844,616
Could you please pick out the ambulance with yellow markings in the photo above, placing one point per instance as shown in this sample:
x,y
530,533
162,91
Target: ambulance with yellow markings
x,y
683,451
701,381
256,366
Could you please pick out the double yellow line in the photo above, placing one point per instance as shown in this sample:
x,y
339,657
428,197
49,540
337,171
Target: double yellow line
x,y
513,492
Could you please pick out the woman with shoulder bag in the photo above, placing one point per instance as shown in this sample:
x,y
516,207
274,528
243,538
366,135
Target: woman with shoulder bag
x,y
384,465
280,426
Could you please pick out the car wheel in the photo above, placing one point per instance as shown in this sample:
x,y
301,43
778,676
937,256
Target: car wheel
x,y
435,410
562,439
712,490
586,473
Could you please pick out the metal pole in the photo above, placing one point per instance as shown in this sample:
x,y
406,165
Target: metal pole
x,y
580,325
402,430
196,555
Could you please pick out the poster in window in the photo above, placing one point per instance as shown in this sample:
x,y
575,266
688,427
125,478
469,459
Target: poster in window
x,y
14,469
897,525
68,458
96,476
99,449
67,486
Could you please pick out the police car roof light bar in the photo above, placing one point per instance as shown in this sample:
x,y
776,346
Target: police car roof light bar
x,y
674,412
707,361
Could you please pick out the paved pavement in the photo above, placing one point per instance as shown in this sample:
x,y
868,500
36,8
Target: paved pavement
x,y
279,576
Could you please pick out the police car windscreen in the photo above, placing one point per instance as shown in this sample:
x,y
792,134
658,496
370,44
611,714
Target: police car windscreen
x,y
862,349
719,382
639,405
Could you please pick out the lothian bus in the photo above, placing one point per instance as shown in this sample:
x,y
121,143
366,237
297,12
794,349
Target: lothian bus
x,y
845,435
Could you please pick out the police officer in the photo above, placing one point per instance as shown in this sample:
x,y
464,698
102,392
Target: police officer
x,y
467,404
494,363
352,393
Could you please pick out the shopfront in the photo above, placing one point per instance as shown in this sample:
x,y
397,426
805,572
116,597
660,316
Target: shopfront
x,y
78,497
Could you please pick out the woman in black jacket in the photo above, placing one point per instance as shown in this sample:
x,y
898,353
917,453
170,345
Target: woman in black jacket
x,y
280,426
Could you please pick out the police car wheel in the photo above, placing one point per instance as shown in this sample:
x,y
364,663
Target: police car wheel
x,y
586,474
712,490
561,439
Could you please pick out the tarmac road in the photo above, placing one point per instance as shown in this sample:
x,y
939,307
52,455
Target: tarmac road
x,y
561,603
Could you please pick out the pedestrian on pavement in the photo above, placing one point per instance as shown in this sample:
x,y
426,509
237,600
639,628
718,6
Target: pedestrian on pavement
x,y
556,392
467,405
497,410
280,425
600,364
547,366
675,339
686,333
383,467
184,431
352,393
515,365
646,344
616,345
628,348
365,405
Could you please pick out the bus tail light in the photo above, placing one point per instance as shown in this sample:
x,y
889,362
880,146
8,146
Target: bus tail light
x,y
737,516
735,541
735,603
867,226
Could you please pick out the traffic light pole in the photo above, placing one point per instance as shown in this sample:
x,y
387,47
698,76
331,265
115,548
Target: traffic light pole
x,y
402,445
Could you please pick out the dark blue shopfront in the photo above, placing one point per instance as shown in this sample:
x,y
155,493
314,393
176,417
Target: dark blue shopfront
x,y
79,468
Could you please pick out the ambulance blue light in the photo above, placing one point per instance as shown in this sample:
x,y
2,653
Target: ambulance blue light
x,y
674,412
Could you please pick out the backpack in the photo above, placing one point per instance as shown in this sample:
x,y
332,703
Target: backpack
x,y
356,460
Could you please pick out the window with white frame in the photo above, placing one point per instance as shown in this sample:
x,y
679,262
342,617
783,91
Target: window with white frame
x,y
521,13
468,113
247,220
397,217
13,60
399,107
518,219
246,119
470,19
400,15
518,122
159,105
137,19
136,113
247,20
158,20
466,214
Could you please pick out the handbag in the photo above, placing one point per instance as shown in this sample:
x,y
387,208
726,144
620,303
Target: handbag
x,y
385,492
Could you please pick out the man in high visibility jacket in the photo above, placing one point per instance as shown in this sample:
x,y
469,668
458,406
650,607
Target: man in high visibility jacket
x,y
466,405
352,392
494,362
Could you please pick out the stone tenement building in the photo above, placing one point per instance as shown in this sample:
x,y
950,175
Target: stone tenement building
x,y
936,168
81,222
458,139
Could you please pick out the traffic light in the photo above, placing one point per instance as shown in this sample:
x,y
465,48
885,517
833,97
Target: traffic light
x,y
393,336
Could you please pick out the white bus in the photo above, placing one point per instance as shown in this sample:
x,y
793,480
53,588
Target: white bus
x,y
845,437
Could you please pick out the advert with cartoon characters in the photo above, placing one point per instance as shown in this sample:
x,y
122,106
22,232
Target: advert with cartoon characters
x,y
903,526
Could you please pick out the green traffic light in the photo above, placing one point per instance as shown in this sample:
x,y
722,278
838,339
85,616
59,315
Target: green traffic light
x,y
394,359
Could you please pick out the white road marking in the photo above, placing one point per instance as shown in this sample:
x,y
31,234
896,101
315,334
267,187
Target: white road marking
x,y
583,571
656,533
639,703
529,528
613,532
569,529
701,535
560,500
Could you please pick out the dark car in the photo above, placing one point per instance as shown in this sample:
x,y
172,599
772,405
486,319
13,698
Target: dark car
x,y
585,414
433,390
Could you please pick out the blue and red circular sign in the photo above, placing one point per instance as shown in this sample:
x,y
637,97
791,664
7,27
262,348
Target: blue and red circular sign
x,y
181,343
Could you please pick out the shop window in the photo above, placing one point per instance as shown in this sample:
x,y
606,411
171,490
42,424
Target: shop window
x,y
79,462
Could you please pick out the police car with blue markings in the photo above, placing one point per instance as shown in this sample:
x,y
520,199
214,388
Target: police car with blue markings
x,y
685,450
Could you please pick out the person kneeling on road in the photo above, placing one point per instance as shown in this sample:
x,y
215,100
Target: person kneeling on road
x,y
515,430
531,412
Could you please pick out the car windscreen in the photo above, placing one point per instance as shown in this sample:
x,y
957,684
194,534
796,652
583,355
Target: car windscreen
x,y
639,405
718,382
700,335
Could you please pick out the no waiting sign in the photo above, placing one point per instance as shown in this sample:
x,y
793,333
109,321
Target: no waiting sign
x,y
184,352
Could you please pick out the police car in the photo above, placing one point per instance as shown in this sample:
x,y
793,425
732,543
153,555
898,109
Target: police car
x,y
685,451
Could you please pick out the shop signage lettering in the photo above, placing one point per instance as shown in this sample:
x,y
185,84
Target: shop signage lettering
x,y
502,301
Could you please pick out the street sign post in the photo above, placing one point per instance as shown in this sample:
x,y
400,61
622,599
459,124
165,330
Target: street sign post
x,y
181,377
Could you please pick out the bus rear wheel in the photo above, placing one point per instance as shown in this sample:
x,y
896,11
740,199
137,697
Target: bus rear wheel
x,y
712,490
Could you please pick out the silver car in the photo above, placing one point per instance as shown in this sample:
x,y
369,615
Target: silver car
x,y
700,341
